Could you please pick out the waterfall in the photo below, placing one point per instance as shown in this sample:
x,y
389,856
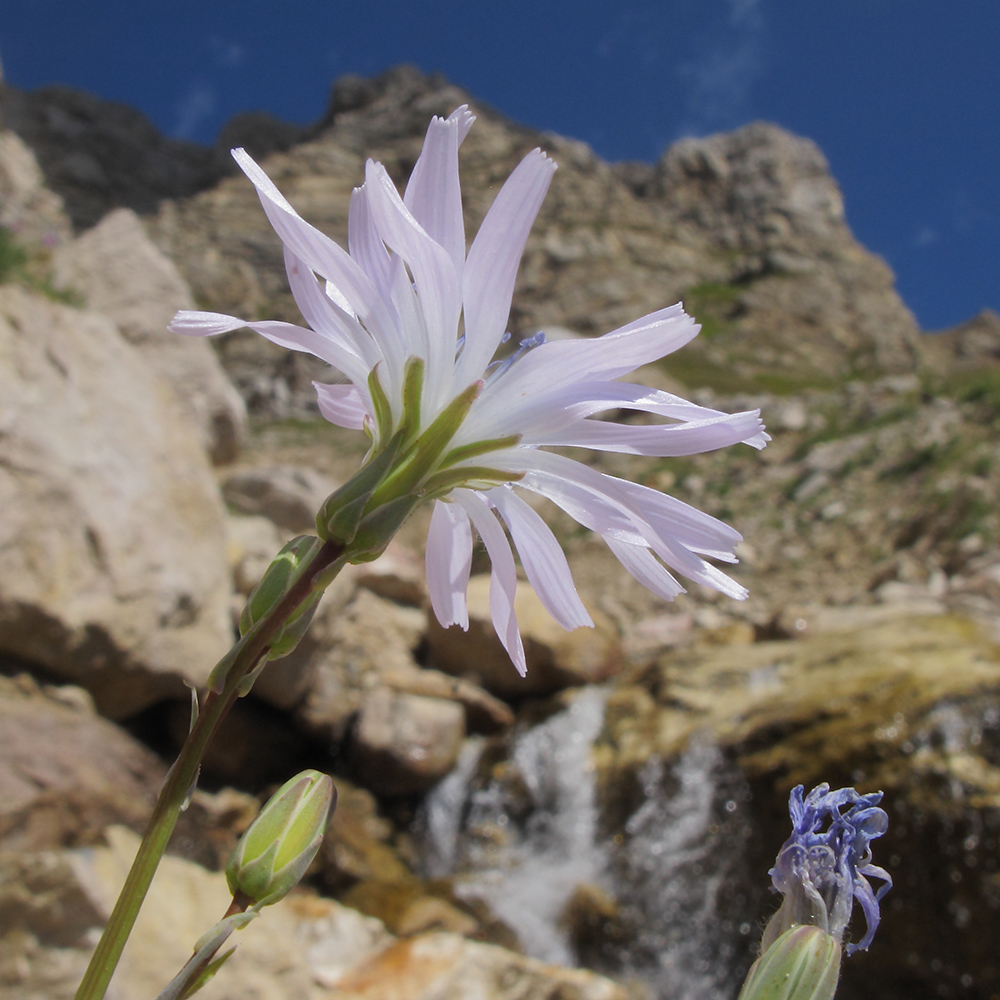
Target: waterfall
x,y
522,847
678,874
525,833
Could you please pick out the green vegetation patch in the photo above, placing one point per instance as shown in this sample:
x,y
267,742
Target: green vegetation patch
x,y
13,256
30,269
978,386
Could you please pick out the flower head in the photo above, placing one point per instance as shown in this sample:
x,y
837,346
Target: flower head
x,y
414,322
825,864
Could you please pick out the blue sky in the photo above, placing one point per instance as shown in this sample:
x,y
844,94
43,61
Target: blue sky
x,y
903,96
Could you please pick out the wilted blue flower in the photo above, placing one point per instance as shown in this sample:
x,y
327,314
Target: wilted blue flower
x,y
825,864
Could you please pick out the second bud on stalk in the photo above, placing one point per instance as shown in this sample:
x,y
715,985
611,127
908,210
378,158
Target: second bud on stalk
x,y
280,844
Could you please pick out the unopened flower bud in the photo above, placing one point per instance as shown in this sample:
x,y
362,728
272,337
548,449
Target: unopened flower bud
x,y
802,964
280,844
277,580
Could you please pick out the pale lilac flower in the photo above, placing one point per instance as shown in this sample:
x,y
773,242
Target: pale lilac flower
x,y
406,289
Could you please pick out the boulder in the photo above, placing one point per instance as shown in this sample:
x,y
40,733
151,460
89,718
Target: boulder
x,y
290,496
402,744
53,903
113,571
353,645
119,272
440,964
356,846
66,773
484,714
556,658
27,207
397,575
98,155
361,643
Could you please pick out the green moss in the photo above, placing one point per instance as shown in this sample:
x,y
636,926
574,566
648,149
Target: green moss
x,y
694,370
30,269
45,287
13,256
979,387
713,305
713,291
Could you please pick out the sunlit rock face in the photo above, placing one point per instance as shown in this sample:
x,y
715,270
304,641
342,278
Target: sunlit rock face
x,y
117,271
113,571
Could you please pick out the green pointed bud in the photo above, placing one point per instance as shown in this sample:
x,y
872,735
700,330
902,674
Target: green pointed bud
x,y
343,509
377,529
413,388
280,576
429,447
280,844
380,404
802,964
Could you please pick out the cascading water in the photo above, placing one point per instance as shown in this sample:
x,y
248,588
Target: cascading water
x,y
525,837
523,846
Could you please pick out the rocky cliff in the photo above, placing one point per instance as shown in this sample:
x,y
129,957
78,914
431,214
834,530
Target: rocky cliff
x,y
138,510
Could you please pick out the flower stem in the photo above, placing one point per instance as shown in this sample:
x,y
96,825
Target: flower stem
x,y
243,658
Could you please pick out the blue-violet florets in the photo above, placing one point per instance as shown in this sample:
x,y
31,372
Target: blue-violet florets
x,y
821,872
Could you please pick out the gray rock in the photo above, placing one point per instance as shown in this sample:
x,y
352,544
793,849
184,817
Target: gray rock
x,y
65,773
355,643
113,570
119,272
28,208
402,744
976,341
98,155
290,496
303,946
556,658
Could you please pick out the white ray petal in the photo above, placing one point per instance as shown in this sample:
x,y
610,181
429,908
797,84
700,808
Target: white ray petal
x,y
318,251
491,267
198,323
557,407
364,243
342,405
559,363
659,440
642,564
601,503
434,278
699,531
433,193
301,338
296,338
542,558
503,574
448,562
324,316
